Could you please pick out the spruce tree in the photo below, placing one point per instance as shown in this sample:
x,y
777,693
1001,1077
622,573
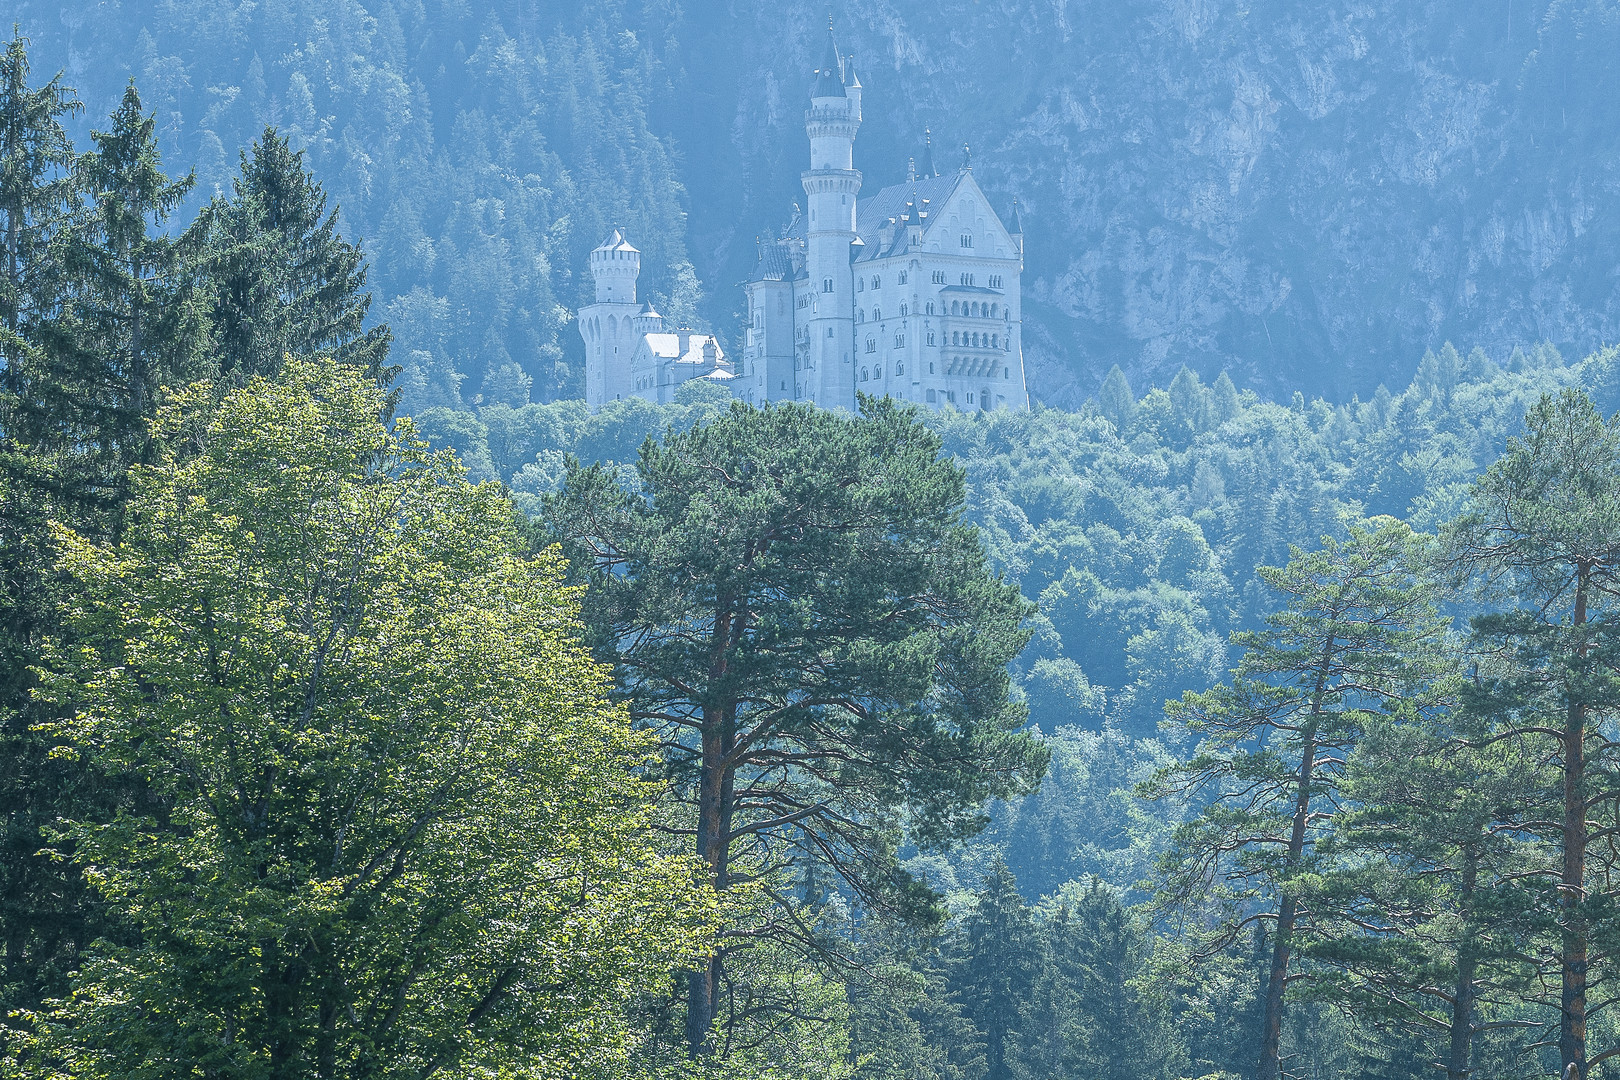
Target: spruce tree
x,y
282,280
994,966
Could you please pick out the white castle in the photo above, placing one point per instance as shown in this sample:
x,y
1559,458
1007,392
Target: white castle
x,y
912,293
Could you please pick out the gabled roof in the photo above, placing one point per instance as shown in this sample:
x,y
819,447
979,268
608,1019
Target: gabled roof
x,y
927,194
774,263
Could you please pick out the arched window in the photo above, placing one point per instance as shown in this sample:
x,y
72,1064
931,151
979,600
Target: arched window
x,y
860,315
975,341
899,341
871,344
930,337
994,342
956,308
992,311
899,367
975,311
864,376
1006,373
826,284
877,314
902,277
930,307
904,311
877,372
956,337
877,282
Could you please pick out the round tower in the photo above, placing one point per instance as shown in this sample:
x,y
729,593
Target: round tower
x,y
608,326
830,186
615,265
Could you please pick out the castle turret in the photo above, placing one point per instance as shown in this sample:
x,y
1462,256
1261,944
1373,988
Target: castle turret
x,y
1016,228
608,326
831,185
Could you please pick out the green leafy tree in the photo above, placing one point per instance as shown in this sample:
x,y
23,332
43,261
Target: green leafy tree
x,y
283,280
1357,638
392,828
793,602
1543,539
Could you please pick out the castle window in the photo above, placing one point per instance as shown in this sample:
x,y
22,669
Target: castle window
x,y
904,310
967,279
860,316
864,376
995,281
899,368
992,311
930,307
899,341
956,337
995,343
939,277
877,372
930,337
956,307
930,395
829,331
877,314
902,277
970,397
877,282
975,341
975,312
1006,373
967,240
930,369
871,344
826,284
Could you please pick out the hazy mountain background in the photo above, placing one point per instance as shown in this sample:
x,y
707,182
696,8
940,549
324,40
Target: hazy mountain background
x,y
1306,195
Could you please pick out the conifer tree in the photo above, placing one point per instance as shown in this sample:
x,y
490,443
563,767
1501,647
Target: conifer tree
x,y
283,280
1357,637
1543,539
795,602
129,325
994,967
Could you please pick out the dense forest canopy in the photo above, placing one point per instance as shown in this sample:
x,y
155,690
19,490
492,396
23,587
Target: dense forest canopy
x,y
1308,196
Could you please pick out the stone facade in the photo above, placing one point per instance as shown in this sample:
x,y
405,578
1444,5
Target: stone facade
x,y
912,293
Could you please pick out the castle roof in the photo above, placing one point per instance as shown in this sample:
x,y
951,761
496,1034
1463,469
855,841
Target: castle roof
x,y
927,194
616,242
667,346
830,75
774,263
1016,227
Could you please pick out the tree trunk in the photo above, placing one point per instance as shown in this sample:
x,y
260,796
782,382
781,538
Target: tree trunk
x,y
1571,893
1288,910
1459,1064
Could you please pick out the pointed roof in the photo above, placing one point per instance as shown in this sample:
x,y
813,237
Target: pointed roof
x,y
1016,226
928,154
616,242
851,80
830,75
773,264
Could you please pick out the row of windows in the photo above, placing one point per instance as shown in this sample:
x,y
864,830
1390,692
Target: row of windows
x,y
974,309
877,281
877,372
899,342
972,341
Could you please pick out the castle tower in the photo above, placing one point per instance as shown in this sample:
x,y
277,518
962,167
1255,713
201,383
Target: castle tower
x,y
830,185
609,325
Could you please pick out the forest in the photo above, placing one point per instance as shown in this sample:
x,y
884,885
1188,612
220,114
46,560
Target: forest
x,y
359,723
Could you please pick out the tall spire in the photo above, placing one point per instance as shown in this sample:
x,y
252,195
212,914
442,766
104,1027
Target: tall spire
x,y
928,154
830,75
911,170
1017,221
967,158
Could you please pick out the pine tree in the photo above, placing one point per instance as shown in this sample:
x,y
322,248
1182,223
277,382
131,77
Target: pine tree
x,y
1543,537
1116,401
283,281
1356,639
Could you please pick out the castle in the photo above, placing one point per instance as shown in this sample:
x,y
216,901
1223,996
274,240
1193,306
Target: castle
x,y
912,293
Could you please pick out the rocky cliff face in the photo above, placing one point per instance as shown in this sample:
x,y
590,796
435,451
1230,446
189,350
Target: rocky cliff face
x,y
1307,194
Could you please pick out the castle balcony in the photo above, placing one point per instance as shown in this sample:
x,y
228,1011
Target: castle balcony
x,y
833,181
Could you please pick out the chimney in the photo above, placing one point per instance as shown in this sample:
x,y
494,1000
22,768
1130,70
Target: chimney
x,y
683,341
711,355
